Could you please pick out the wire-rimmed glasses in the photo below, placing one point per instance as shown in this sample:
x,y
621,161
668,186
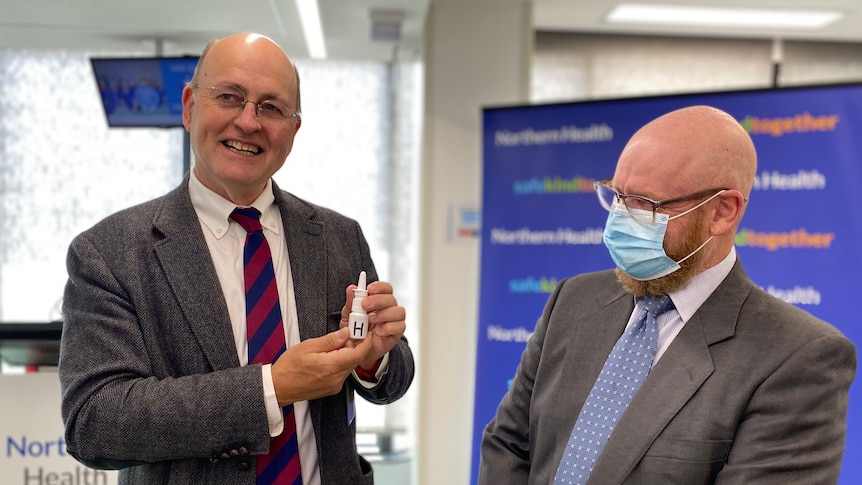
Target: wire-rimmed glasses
x,y
230,97
642,208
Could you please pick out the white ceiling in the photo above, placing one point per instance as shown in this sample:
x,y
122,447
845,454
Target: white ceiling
x,y
588,16
182,27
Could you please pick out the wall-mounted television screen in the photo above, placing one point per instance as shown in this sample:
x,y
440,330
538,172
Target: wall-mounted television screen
x,y
143,91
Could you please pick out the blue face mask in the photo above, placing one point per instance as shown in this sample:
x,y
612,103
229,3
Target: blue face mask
x,y
637,247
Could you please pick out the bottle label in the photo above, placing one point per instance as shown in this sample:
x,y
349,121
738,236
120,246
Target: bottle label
x,y
358,326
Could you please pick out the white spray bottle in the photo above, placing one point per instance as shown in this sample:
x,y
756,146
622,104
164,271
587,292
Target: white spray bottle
x,y
358,320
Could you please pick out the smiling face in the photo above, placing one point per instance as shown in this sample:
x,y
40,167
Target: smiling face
x,y
236,151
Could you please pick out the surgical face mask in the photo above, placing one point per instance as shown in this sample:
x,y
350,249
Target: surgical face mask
x,y
637,247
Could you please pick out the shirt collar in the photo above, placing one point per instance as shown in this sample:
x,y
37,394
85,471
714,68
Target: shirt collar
x,y
214,210
689,299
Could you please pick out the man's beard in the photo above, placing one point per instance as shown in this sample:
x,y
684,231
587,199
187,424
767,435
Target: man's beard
x,y
679,278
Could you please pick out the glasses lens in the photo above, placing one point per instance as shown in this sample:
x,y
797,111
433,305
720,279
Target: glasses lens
x,y
273,110
606,195
228,96
641,210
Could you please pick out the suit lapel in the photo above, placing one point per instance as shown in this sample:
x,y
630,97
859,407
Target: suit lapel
x,y
676,377
673,381
187,265
307,253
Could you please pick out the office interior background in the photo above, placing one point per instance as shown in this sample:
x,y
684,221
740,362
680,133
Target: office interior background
x,y
391,136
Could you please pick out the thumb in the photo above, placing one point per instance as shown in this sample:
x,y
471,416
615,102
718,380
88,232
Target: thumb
x,y
334,340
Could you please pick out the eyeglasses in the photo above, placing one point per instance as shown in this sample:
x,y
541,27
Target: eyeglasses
x,y
230,97
639,207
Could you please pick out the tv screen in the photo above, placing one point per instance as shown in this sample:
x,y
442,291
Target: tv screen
x,y
143,91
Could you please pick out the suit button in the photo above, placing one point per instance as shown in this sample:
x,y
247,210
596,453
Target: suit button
x,y
243,464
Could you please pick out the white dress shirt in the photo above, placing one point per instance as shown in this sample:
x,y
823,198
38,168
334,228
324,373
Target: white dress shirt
x,y
686,302
226,240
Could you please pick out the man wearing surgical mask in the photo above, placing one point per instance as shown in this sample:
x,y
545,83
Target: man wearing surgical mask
x,y
674,367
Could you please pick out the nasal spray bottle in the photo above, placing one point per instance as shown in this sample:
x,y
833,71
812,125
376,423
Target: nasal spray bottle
x,y
358,316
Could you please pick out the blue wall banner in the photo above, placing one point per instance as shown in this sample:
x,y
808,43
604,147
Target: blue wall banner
x,y
541,221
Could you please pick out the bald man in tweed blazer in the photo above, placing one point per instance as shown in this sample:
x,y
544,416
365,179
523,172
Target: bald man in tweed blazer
x,y
154,346
150,377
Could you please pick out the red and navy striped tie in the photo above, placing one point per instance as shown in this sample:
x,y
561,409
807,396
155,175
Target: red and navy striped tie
x,y
265,343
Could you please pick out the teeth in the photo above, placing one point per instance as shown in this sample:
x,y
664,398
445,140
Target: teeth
x,y
241,147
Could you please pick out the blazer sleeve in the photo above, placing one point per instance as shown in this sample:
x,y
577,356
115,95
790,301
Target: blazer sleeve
x,y
800,411
122,403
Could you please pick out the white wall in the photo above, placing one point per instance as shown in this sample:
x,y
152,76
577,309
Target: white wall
x,y
476,54
569,67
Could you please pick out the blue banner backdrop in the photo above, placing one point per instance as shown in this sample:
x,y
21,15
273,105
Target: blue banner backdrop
x,y
541,222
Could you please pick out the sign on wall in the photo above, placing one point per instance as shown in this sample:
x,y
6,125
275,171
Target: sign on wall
x,y
541,221
34,450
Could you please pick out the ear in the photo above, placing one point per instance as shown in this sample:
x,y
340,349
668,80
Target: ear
x,y
728,212
188,102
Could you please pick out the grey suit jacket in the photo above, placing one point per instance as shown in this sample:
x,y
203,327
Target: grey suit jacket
x,y
752,391
151,382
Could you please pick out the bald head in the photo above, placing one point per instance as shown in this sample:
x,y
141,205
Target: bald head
x,y
690,149
245,49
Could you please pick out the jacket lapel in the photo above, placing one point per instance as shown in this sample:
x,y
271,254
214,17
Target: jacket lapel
x,y
673,381
307,254
182,252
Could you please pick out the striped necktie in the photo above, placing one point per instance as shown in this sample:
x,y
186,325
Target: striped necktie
x,y
622,375
265,343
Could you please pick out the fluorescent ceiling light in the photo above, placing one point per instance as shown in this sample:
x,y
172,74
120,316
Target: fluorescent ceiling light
x,y
722,17
309,16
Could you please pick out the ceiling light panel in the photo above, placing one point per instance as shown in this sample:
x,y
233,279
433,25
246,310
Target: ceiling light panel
x,y
696,16
309,17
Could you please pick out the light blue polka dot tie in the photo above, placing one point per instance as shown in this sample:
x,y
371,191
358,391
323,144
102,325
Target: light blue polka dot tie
x,y
625,370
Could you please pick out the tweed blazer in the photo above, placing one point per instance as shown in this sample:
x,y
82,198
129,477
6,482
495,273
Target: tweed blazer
x,y
752,391
150,379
